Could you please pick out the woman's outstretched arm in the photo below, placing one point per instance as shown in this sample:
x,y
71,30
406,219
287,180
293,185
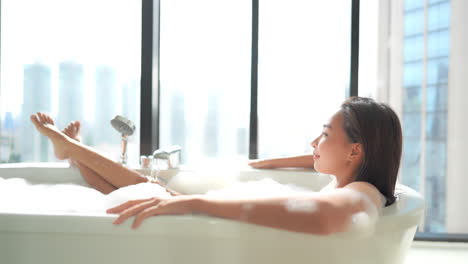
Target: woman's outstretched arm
x,y
315,214
303,161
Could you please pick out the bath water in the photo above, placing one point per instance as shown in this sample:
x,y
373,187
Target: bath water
x,y
17,195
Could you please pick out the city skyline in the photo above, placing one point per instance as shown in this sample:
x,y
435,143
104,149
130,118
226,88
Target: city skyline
x,y
38,96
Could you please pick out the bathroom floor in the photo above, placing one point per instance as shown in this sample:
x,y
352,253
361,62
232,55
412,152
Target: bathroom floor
x,y
437,252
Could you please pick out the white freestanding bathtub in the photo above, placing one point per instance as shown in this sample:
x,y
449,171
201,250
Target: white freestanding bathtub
x,y
38,236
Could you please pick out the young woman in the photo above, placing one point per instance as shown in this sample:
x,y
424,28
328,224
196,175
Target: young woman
x,y
361,145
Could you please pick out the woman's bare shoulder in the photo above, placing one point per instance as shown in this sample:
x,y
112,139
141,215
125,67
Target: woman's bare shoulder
x,y
368,190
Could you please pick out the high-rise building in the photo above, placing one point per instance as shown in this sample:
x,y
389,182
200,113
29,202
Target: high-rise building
x,y
71,93
105,104
7,143
130,100
211,129
178,122
36,97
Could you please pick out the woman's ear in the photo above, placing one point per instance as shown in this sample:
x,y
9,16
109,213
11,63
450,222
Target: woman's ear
x,y
356,152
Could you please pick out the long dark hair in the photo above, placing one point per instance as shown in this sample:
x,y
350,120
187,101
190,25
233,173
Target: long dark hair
x,y
377,127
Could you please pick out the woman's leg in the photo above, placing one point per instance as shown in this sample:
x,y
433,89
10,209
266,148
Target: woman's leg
x,y
67,148
95,180
90,176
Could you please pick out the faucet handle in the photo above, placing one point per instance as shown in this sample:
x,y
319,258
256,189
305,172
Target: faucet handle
x,y
174,149
170,154
164,153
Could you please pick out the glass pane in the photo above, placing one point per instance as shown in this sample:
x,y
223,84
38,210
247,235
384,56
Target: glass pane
x,y
413,48
435,185
438,44
64,65
436,98
436,126
437,1
205,77
369,48
437,71
414,23
438,16
411,162
412,99
412,125
412,74
303,71
413,4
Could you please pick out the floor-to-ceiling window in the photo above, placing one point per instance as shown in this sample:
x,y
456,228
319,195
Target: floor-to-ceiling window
x,y
303,71
76,60
205,74
205,51
423,45
88,70
417,65
426,42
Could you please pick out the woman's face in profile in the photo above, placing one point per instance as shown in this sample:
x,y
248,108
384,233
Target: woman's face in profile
x,y
332,148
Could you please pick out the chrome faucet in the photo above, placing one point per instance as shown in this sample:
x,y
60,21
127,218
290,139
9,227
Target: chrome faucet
x,y
171,156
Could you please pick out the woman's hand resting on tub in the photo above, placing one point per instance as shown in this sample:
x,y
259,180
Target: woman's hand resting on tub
x,y
142,209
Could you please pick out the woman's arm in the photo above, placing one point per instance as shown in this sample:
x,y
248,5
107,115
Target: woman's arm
x,y
315,214
319,214
303,161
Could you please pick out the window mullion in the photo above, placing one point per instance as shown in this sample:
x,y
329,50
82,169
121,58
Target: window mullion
x,y
149,115
253,131
422,175
354,71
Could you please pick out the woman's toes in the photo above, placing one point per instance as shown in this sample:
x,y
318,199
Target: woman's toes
x,y
68,129
42,117
50,120
35,119
77,126
39,117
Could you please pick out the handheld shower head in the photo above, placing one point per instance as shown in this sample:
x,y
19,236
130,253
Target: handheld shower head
x,y
123,125
126,128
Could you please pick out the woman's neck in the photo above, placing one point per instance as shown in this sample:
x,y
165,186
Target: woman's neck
x,y
344,179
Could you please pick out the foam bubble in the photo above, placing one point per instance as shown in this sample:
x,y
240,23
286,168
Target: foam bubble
x,y
363,223
256,189
18,195
246,209
202,181
135,192
301,205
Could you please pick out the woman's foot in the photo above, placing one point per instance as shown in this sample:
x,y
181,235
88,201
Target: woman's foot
x,y
73,130
45,125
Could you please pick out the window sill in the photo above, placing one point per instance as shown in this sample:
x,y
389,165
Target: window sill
x,y
437,252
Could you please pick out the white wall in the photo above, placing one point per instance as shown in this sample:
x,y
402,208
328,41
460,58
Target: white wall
x,y
457,181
